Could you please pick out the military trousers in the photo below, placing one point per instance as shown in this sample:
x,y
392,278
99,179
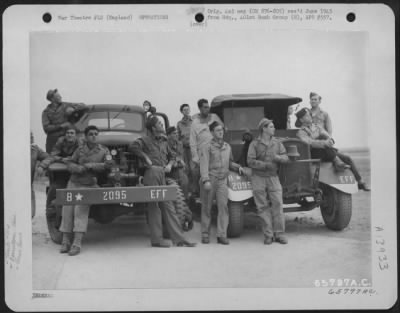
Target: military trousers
x,y
193,177
75,218
51,141
349,161
269,209
219,190
155,176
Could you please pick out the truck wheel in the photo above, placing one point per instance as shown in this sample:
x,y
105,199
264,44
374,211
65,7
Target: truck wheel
x,y
53,216
236,219
335,208
181,207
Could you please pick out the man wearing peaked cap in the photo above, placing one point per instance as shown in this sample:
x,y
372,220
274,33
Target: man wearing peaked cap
x,y
322,146
299,115
264,156
55,117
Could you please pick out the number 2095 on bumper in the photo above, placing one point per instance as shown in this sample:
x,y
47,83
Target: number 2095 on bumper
x,y
115,195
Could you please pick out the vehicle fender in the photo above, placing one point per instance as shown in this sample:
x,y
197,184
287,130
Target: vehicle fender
x,y
343,181
239,187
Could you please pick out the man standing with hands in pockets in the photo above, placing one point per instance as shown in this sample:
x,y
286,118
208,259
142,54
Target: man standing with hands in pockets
x,y
264,155
215,162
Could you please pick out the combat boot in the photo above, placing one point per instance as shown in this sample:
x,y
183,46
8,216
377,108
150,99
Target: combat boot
x,y
76,245
66,242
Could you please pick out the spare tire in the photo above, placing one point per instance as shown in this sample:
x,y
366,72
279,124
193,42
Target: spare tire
x,y
236,219
181,207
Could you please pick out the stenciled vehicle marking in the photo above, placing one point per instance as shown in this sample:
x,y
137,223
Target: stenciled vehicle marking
x,y
238,182
115,195
347,179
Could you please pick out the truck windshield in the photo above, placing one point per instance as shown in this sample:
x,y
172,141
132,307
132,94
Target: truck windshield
x,y
112,120
239,118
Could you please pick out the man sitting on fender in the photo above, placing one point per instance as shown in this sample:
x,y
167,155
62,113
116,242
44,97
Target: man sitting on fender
x,y
322,146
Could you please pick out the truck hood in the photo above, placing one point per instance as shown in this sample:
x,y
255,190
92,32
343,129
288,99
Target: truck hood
x,y
117,138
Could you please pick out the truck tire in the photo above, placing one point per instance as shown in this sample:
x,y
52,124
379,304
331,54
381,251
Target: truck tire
x,y
53,215
335,207
181,207
236,219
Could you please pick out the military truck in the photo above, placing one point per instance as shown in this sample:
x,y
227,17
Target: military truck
x,y
121,190
307,183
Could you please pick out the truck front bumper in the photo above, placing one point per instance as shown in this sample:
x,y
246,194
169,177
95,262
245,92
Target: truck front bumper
x,y
99,195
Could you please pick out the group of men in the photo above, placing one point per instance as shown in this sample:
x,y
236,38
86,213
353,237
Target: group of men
x,y
196,156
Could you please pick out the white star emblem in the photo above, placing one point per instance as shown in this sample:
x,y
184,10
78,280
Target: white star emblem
x,y
78,196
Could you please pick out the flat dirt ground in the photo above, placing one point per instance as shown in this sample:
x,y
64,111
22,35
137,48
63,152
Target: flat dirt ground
x,y
118,255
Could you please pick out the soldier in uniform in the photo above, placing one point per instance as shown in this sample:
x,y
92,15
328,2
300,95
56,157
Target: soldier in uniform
x,y
87,160
55,117
322,146
264,155
154,150
66,145
215,162
200,134
37,154
183,128
178,172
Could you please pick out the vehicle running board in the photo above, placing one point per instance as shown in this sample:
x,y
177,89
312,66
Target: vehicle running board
x,y
297,208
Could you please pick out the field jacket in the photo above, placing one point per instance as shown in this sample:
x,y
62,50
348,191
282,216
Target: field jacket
x,y
216,160
264,159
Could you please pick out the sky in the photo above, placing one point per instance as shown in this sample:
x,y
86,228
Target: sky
x,y
171,68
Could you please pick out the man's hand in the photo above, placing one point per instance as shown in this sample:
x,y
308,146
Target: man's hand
x,y
241,170
277,158
88,166
207,186
148,161
196,161
39,171
108,164
168,168
65,125
328,143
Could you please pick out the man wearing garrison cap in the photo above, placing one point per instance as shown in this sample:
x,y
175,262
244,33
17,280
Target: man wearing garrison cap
x,y
153,149
322,146
215,162
55,117
264,156
318,116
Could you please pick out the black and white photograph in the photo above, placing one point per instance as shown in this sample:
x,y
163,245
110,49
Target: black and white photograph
x,y
197,152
